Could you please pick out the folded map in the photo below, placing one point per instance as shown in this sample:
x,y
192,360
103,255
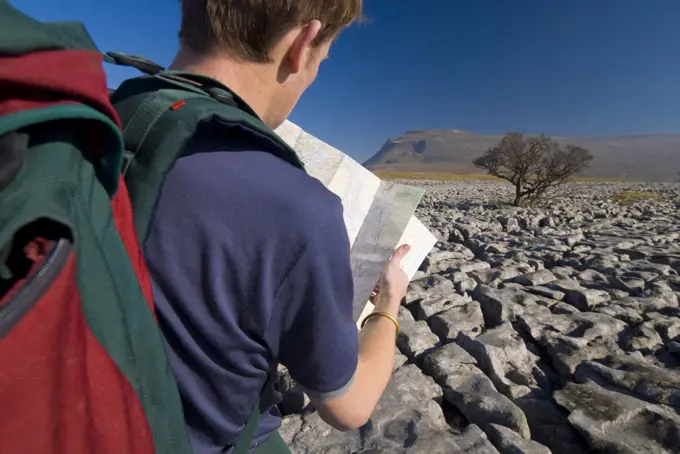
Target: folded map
x,y
379,215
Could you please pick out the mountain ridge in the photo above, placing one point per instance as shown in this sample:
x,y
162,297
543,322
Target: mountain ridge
x,y
647,157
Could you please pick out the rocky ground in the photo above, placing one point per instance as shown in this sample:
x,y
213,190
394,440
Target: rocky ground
x,y
552,329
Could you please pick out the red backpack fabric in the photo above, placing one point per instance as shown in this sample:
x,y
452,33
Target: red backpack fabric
x,y
84,366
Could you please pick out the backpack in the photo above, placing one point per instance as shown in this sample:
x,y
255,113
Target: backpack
x,y
84,366
85,369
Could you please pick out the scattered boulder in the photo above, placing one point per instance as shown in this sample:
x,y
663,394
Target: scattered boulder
x,y
642,338
414,337
293,398
632,373
466,319
569,339
509,442
506,305
537,278
475,396
503,356
468,389
614,422
427,307
550,426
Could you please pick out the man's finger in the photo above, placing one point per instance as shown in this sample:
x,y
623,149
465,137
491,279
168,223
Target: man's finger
x,y
401,251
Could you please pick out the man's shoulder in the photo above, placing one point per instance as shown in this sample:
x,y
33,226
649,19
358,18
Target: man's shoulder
x,y
289,188
260,185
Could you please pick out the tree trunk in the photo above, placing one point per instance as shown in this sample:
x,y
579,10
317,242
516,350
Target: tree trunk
x,y
519,200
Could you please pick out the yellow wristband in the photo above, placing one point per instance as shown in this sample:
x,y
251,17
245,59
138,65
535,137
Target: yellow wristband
x,y
382,314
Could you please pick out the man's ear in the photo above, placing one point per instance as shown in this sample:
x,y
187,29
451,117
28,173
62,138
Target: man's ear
x,y
301,48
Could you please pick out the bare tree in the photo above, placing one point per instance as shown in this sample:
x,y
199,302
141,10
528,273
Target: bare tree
x,y
533,165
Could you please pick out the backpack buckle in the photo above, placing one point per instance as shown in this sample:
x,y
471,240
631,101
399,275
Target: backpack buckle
x,y
221,96
135,61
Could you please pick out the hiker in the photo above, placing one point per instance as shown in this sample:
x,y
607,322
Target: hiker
x,y
249,255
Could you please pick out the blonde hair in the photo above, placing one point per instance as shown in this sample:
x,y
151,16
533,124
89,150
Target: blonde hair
x,y
250,28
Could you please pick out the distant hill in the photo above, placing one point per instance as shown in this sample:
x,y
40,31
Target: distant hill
x,y
639,157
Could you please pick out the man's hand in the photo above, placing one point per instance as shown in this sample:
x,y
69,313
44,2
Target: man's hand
x,y
393,283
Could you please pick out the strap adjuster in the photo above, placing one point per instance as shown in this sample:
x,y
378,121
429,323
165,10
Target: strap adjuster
x,y
135,61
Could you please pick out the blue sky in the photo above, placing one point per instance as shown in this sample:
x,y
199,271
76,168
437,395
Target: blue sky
x,y
560,67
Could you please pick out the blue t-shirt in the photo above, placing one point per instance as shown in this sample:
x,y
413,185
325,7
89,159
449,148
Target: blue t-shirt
x,y
249,259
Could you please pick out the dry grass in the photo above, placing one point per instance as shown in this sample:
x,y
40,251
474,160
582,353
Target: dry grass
x,y
601,180
451,176
439,176
630,197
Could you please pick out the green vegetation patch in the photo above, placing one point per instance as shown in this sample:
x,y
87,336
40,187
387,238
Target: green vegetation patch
x,y
581,179
630,197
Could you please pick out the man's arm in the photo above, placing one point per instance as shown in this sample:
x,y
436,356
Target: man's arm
x,y
376,355
374,369
343,372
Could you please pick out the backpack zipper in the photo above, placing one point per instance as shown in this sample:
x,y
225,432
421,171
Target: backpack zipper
x,y
12,311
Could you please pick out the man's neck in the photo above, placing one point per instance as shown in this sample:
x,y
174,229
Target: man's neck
x,y
243,78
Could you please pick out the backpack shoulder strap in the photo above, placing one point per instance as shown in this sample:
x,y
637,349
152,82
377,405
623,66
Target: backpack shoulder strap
x,y
162,112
